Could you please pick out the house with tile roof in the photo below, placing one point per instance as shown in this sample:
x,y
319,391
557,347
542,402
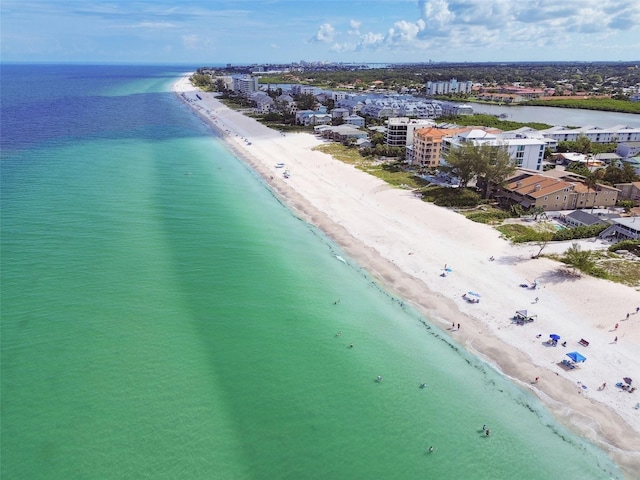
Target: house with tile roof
x,y
549,193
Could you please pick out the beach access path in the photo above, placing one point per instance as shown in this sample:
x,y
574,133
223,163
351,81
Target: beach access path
x,y
406,244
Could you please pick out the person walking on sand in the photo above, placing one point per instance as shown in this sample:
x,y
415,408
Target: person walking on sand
x,y
458,326
616,327
536,380
615,340
627,316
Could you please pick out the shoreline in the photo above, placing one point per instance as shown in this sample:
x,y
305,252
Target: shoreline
x,y
403,243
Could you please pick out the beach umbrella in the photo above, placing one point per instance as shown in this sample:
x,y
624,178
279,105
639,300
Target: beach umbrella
x,y
448,270
627,380
576,357
554,336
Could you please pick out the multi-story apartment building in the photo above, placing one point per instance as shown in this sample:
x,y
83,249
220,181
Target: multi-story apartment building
x,y
303,89
400,130
525,152
427,143
245,85
628,149
618,133
444,88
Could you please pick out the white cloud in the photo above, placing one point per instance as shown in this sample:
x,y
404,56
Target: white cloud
x,y
436,11
355,27
325,33
370,40
502,25
404,32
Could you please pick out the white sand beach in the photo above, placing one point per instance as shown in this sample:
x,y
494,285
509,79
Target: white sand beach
x,y
405,244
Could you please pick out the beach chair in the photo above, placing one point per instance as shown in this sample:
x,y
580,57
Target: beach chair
x,y
583,342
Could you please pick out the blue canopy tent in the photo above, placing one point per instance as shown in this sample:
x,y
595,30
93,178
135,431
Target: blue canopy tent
x,y
576,357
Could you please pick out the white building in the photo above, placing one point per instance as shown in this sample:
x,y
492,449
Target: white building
x,y
451,108
628,149
400,130
303,89
355,120
618,133
245,85
525,152
264,103
340,112
444,88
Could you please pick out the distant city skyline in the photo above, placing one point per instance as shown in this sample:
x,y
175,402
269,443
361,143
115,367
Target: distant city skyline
x,y
205,32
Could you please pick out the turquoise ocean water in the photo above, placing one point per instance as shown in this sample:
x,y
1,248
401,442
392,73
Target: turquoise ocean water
x,y
165,316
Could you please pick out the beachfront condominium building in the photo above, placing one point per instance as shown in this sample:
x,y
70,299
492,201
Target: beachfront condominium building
x,y
445,88
400,130
525,152
245,85
427,143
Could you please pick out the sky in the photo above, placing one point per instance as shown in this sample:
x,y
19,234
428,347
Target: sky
x,y
210,32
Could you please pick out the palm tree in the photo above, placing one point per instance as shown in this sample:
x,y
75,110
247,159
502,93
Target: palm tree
x,y
591,182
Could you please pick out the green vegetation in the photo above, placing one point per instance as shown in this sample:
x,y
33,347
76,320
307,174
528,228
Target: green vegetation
x,y
603,77
618,269
627,205
390,172
521,233
575,233
203,81
545,232
490,164
488,215
518,233
608,104
602,264
451,197
632,246
583,261
491,121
